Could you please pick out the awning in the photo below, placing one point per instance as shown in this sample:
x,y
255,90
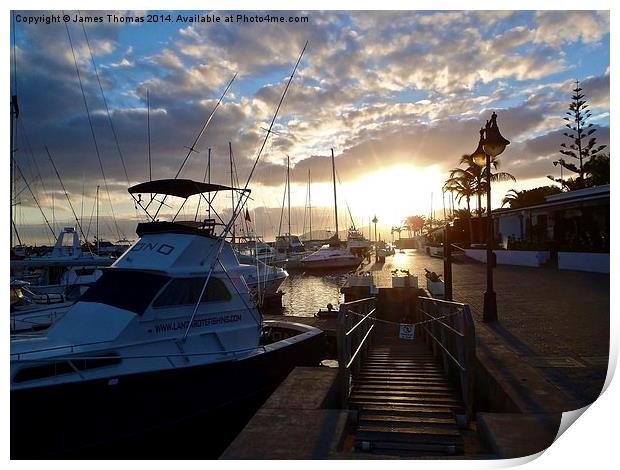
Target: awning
x,y
179,188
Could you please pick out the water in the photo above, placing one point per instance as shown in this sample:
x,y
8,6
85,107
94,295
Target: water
x,y
305,293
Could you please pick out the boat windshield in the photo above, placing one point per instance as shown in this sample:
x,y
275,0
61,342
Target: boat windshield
x,y
129,290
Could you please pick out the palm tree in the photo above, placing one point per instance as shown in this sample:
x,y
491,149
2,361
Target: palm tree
x,y
479,175
414,223
463,184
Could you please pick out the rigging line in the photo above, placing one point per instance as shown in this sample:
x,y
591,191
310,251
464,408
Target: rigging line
x,y
34,197
30,151
204,127
68,198
275,116
345,202
92,130
105,103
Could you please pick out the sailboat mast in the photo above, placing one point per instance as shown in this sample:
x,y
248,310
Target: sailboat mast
x,y
14,115
148,130
288,182
310,204
97,218
335,200
209,179
232,191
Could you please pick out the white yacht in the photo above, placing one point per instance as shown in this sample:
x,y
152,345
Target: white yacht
x,y
331,257
263,280
31,312
168,332
336,255
66,267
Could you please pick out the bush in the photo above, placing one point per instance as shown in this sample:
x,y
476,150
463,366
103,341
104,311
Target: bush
x,y
432,276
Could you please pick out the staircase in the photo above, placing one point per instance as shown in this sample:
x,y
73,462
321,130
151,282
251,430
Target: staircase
x,y
405,403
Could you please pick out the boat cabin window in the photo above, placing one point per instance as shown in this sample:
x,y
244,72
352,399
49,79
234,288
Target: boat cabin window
x,y
129,290
186,292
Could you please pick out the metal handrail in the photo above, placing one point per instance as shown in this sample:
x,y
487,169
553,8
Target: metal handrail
x,y
360,322
453,340
353,336
360,346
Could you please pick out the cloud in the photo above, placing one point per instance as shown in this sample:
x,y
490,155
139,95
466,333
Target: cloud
x,y
384,89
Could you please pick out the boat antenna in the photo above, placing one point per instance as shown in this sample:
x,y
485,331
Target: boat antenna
x,y
77,220
275,115
204,179
204,127
193,146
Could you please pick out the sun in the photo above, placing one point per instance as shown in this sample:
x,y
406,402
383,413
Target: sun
x,y
395,193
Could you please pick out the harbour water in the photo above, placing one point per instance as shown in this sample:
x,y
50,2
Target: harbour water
x,y
306,293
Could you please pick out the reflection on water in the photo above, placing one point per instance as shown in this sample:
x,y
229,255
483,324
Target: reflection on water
x,y
305,293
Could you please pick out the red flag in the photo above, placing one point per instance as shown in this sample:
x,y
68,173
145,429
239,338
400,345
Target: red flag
x,y
247,216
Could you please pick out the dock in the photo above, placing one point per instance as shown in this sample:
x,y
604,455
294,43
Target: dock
x,y
456,390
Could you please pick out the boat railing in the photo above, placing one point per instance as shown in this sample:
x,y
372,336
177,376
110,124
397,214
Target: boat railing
x,y
448,328
355,327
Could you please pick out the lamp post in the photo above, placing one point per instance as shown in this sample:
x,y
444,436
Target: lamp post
x,y
491,144
374,221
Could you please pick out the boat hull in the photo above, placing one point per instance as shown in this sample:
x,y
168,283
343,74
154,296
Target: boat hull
x,y
191,412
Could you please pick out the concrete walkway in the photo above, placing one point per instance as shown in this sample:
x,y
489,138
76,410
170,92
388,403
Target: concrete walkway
x,y
556,320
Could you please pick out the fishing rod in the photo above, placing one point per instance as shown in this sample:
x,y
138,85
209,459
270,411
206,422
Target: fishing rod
x,y
193,146
241,201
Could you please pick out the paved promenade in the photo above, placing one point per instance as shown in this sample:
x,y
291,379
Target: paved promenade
x,y
556,320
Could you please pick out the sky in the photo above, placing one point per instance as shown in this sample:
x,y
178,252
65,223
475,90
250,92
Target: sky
x,y
398,95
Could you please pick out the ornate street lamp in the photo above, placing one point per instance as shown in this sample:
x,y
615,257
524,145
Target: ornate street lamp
x,y
374,221
491,144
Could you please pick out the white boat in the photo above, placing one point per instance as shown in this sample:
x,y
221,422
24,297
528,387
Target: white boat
x,y
167,333
263,280
335,255
32,312
66,267
331,258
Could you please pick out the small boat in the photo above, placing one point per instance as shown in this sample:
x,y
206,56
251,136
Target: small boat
x,y
263,280
32,312
166,334
66,267
331,258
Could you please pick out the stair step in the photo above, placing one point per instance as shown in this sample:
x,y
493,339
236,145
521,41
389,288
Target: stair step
x,y
411,410
448,407
402,385
419,434
401,391
404,397
413,449
402,374
396,421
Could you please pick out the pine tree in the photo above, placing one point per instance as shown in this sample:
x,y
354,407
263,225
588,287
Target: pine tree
x,y
583,146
